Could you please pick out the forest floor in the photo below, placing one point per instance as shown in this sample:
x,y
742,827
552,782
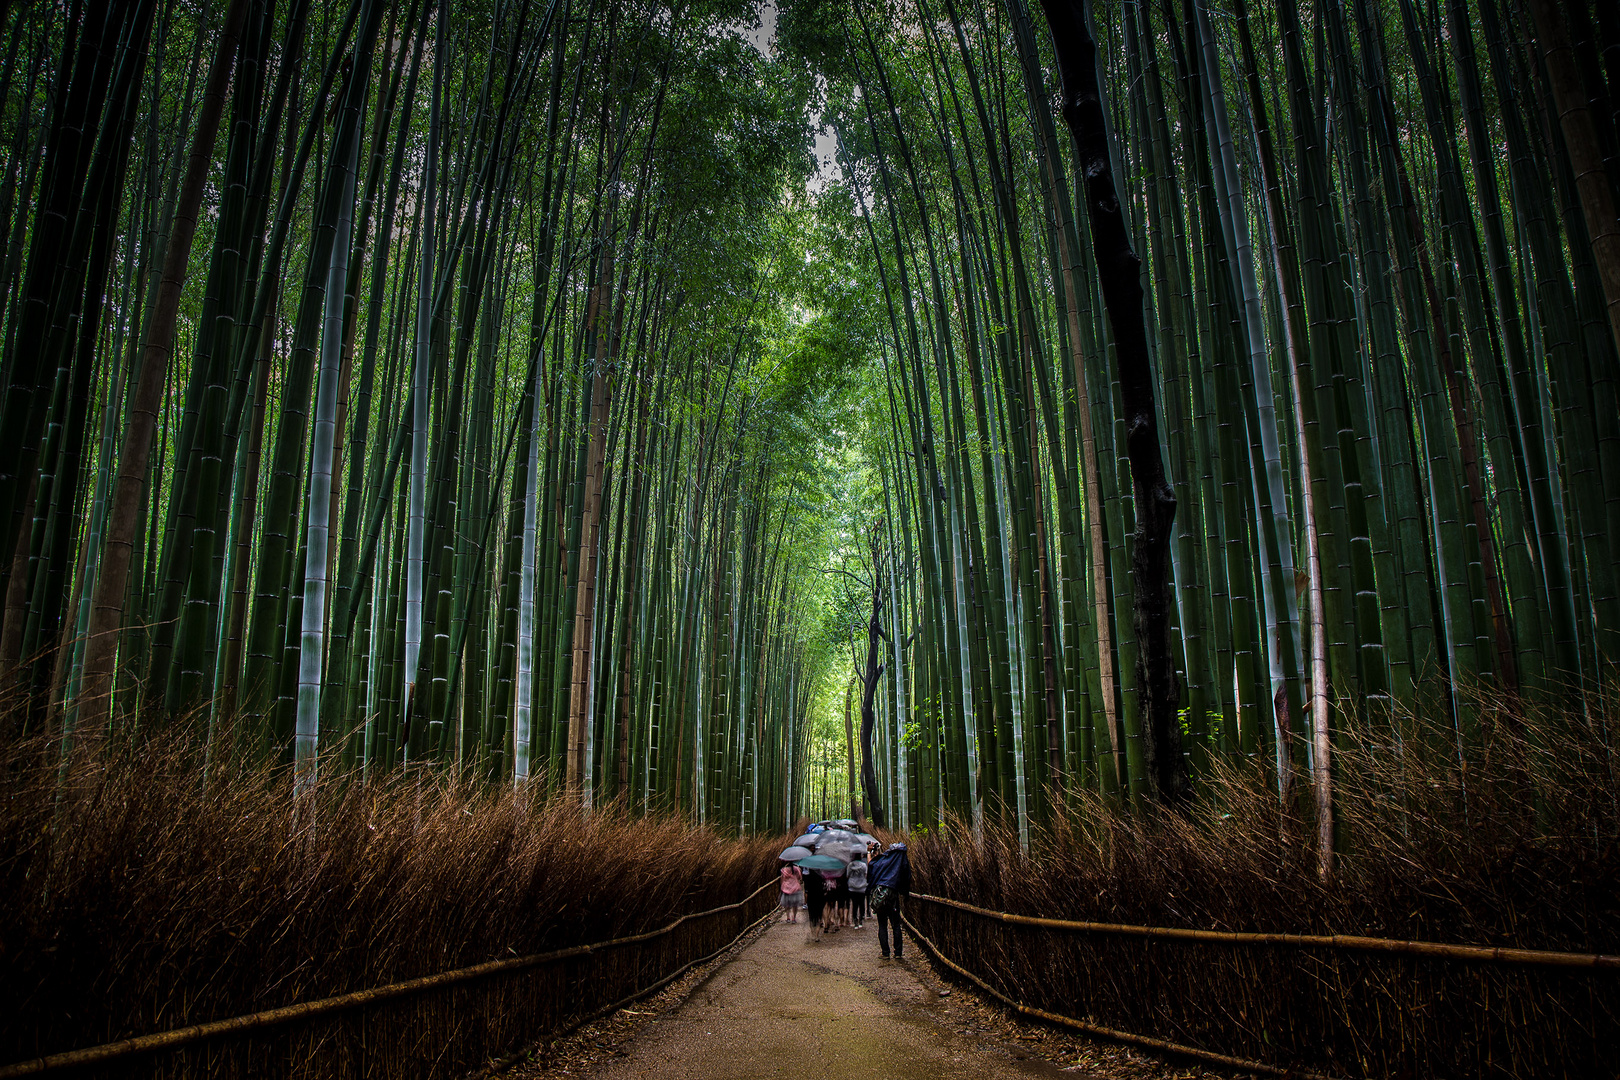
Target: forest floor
x,y
780,1005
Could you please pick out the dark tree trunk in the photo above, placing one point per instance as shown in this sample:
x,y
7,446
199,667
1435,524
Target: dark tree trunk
x,y
1121,272
870,675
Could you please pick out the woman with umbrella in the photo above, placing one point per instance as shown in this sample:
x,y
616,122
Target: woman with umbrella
x,y
792,882
856,879
815,888
838,894
815,901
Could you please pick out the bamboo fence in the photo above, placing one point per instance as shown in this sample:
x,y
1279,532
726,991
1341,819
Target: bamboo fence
x,y
435,1026
1290,1004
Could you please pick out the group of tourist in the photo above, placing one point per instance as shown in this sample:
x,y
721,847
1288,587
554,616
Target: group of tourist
x,y
834,898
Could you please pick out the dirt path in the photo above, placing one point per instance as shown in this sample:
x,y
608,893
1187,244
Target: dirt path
x,y
781,1006
790,1007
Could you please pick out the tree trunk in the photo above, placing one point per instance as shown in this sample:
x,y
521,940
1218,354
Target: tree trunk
x,y
1120,272
869,680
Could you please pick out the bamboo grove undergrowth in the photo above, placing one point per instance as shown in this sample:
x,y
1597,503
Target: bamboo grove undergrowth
x,y
500,386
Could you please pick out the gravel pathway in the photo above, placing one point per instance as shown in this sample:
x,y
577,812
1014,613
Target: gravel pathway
x,y
782,1006
790,1007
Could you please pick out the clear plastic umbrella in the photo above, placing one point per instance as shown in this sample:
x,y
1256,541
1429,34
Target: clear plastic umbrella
x,y
840,842
795,853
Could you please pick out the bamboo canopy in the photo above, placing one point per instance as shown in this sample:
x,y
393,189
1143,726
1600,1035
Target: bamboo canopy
x,y
582,393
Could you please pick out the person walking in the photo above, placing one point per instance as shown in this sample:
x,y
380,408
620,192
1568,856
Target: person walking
x,y
888,879
857,891
815,901
792,891
832,881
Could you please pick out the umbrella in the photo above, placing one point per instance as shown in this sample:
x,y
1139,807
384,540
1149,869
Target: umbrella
x,y
807,840
868,838
795,853
820,826
845,823
840,843
823,862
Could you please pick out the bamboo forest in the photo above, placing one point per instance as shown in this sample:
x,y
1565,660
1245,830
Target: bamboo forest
x,y
1040,431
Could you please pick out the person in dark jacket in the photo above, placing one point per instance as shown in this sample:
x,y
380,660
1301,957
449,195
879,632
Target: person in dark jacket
x,y
887,880
815,901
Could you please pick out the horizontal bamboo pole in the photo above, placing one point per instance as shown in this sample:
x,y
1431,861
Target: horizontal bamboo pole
x,y
239,1025
1147,1041
1479,954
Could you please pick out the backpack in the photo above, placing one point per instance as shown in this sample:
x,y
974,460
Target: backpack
x,y
857,876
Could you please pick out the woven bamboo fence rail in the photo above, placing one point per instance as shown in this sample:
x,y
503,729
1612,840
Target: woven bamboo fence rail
x,y
1293,1004
436,1026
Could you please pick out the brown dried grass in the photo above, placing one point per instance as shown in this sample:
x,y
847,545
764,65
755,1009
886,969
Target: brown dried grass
x,y
139,898
1518,848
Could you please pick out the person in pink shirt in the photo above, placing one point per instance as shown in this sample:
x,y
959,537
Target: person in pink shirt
x,y
792,891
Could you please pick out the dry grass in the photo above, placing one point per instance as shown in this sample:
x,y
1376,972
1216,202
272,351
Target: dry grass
x,y
139,898
1519,849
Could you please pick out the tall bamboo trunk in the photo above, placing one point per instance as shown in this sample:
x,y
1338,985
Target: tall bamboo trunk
x,y
1155,503
580,710
107,614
